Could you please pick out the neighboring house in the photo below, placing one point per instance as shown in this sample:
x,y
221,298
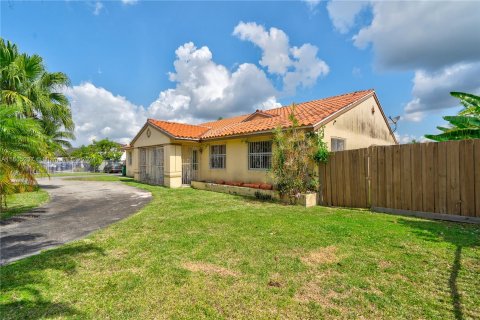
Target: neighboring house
x,y
239,148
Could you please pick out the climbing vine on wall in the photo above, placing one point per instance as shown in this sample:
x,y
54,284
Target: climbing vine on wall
x,y
295,157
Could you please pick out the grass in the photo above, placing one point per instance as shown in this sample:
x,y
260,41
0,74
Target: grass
x,y
202,255
23,202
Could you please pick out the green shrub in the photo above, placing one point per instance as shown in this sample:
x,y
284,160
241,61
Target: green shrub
x,y
295,155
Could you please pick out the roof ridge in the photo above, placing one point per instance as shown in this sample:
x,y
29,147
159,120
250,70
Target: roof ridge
x,y
316,100
224,119
228,126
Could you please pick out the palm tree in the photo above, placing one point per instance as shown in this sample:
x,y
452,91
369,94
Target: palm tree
x,y
465,125
35,117
25,82
22,142
58,139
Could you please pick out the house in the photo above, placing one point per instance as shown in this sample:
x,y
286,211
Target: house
x,y
239,148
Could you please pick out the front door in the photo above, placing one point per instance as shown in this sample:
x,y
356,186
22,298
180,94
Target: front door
x,y
189,164
157,166
143,164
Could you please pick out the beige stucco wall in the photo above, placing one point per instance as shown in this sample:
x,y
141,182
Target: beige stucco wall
x,y
173,165
360,127
156,138
172,155
236,162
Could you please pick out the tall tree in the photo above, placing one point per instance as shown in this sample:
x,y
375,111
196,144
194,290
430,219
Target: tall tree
x,y
58,138
22,143
25,82
35,117
99,151
108,149
465,125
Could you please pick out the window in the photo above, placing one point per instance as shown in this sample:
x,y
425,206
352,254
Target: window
x,y
129,158
194,160
338,144
217,156
260,155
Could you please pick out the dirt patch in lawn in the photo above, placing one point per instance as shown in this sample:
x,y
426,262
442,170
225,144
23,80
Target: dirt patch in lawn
x,y
324,255
383,264
275,281
209,269
315,291
318,290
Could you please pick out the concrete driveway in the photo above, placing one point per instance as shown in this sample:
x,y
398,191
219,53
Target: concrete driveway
x,y
76,208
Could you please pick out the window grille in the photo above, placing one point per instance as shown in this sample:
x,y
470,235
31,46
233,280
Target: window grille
x,y
129,156
338,144
260,155
194,160
218,156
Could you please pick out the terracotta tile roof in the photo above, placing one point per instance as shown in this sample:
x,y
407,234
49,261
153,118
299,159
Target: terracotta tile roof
x,y
180,130
258,114
307,113
225,122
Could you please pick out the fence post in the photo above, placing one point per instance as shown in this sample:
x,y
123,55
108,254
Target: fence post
x,y
371,165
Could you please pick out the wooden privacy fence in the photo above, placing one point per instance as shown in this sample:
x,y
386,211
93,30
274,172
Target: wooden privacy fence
x,y
441,178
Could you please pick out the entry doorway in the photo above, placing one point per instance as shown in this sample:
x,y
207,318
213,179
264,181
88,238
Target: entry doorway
x,y
189,164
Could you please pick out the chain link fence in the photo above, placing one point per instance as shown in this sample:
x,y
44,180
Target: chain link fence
x,y
67,166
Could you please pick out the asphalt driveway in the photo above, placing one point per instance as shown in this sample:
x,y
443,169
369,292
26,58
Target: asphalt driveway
x,y
76,208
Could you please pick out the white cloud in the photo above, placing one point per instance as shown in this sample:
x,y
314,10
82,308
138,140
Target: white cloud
x,y
97,8
207,90
129,2
357,72
409,138
415,116
434,39
306,68
413,34
274,45
99,114
343,13
431,90
203,89
298,66
312,3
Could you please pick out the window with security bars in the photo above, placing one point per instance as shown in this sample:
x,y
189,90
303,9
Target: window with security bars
x,y
260,155
218,155
194,160
338,144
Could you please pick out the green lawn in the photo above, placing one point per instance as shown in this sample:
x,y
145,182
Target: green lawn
x,y
22,202
194,254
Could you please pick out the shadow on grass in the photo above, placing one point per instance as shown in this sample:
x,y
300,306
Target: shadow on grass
x,y
453,233
24,282
48,186
13,211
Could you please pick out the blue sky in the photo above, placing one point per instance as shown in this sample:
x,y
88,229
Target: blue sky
x,y
124,65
